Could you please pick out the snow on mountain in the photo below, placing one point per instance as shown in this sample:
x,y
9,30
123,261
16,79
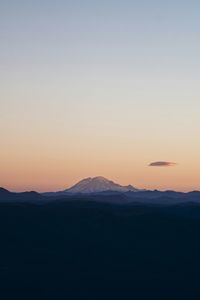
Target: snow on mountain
x,y
98,184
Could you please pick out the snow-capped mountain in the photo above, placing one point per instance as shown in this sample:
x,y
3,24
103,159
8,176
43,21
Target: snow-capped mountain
x,y
97,185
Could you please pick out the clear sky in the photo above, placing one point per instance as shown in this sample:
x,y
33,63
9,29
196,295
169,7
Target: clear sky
x,y
99,88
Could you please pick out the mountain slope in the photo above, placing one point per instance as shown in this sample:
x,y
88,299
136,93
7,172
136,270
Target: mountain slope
x,y
97,185
3,191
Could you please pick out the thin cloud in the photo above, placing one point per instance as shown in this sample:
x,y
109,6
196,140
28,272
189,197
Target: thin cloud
x,y
162,164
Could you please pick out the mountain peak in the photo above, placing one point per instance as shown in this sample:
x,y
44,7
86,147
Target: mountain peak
x,y
100,178
98,184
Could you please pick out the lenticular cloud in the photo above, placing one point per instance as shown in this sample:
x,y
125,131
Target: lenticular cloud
x,y
162,164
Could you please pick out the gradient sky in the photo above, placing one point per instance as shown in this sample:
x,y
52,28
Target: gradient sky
x,y
99,88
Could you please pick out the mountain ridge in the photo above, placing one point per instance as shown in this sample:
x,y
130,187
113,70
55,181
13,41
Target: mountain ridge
x,y
98,184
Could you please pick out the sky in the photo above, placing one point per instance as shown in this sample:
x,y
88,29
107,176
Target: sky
x,y
91,88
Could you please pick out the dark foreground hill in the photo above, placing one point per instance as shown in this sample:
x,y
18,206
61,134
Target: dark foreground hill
x,y
89,250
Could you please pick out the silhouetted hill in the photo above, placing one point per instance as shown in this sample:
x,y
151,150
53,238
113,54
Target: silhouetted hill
x,y
115,197
3,191
94,250
106,245
7,196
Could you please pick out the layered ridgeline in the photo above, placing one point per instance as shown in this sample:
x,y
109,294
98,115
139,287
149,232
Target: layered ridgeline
x,y
100,189
97,185
84,246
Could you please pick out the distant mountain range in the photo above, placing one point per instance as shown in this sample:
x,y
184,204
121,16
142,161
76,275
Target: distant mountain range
x,y
102,190
7,196
106,245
